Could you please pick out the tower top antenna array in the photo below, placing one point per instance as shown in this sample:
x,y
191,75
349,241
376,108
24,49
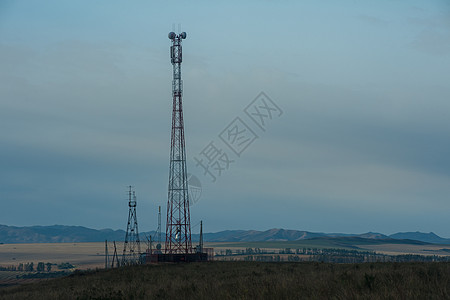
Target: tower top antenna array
x,y
173,35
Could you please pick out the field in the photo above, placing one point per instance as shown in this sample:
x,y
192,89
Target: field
x,y
399,248
247,280
91,255
81,255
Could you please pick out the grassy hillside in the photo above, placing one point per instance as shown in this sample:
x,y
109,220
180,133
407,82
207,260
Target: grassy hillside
x,y
248,280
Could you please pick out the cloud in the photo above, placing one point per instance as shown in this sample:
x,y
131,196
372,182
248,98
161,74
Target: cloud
x,y
365,123
433,41
433,34
372,20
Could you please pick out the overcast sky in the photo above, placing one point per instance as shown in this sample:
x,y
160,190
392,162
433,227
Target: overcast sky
x,y
360,142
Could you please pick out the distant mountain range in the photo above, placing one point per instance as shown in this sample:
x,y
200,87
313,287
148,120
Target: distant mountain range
x,y
57,234
293,235
420,236
79,234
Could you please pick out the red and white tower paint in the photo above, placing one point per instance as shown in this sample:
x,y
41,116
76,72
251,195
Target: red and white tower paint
x,y
178,225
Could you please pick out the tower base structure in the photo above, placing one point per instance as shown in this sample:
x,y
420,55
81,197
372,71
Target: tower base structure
x,y
175,257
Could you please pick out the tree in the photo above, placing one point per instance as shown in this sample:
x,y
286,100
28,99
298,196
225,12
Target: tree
x,y
40,267
49,267
29,267
66,265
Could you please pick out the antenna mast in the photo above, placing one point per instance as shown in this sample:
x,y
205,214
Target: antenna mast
x,y
132,244
178,225
201,237
158,231
106,254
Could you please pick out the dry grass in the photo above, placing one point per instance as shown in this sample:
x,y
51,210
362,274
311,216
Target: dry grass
x,y
248,280
82,255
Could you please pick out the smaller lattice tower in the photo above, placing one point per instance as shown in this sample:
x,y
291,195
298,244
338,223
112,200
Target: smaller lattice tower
x,y
158,231
132,245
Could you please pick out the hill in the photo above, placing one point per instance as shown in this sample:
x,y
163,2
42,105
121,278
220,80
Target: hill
x,y
256,236
420,236
282,235
79,234
57,234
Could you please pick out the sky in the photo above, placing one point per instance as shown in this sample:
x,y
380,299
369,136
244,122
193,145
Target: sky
x,y
357,141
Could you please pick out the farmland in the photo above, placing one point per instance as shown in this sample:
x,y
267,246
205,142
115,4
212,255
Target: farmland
x,y
91,255
82,255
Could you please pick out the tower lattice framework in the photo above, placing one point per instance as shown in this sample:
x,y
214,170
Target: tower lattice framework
x,y
178,225
132,244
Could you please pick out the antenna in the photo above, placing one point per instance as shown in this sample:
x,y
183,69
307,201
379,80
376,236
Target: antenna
x,y
158,231
201,237
132,244
106,254
178,246
178,225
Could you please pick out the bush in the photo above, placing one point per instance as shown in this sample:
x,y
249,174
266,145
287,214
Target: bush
x,y
65,266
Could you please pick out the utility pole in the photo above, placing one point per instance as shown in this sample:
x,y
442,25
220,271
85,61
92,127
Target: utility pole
x,y
106,254
159,225
201,237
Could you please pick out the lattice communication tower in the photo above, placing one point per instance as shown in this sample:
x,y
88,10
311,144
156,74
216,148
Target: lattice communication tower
x,y
178,225
132,244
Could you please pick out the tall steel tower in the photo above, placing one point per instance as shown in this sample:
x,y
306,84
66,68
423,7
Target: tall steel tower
x,y
178,225
132,244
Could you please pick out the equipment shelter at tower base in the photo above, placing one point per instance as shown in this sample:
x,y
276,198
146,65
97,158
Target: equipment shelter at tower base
x,y
178,257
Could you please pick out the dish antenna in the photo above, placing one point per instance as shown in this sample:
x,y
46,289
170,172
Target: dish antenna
x,y
172,35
